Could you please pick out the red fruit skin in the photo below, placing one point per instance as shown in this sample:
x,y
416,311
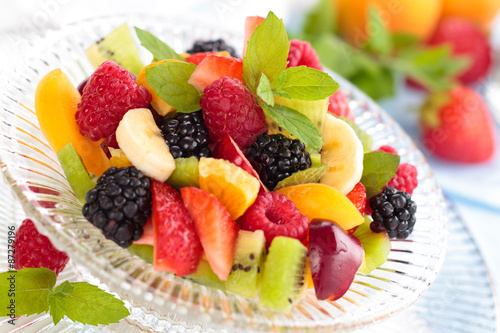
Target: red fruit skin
x,y
462,130
109,93
302,54
276,216
339,106
335,257
228,150
34,250
466,39
230,108
213,67
177,247
215,227
358,197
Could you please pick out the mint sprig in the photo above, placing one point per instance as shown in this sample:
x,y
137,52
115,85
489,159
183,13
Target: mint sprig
x,y
264,90
158,48
378,168
296,123
304,83
267,52
170,83
32,291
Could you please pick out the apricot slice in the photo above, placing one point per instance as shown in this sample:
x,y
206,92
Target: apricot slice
x,y
56,102
323,202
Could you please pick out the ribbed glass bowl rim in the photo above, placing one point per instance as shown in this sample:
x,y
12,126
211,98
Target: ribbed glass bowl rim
x,y
177,313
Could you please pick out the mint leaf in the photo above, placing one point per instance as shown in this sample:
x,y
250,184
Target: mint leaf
x,y
321,19
404,40
295,123
366,139
159,49
378,168
264,90
27,289
86,304
307,176
267,52
380,40
170,82
304,83
377,84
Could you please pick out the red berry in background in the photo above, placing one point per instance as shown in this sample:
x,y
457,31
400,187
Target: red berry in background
x,y
466,39
339,106
275,215
230,108
388,149
34,250
302,54
109,93
457,126
358,197
405,178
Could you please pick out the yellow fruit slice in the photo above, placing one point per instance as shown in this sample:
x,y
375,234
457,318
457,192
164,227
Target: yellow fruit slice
x,y
324,202
56,102
118,158
158,104
232,185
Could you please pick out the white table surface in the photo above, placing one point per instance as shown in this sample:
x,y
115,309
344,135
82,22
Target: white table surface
x,y
475,190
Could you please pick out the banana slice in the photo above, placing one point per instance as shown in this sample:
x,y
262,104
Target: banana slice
x,y
141,141
343,152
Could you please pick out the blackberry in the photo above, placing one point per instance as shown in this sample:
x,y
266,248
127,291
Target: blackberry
x,y
211,46
186,135
276,157
395,211
120,204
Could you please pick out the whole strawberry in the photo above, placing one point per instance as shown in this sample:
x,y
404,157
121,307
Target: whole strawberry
x,y
34,250
465,39
457,126
339,106
230,108
109,93
302,54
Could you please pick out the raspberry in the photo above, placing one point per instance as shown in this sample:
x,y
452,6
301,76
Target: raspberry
x,y
230,108
405,178
276,216
34,250
358,197
120,204
109,93
339,106
302,54
388,149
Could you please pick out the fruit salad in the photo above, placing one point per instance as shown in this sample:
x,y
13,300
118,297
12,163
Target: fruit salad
x,y
247,174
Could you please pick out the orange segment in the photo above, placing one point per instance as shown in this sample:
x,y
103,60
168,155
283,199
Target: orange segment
x,y
158,104
324,202
232,185
56,102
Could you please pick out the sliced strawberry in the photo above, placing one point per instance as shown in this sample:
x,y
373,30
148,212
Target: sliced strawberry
x,y
358,197
177,247
196,58
217,231
213,67
148,236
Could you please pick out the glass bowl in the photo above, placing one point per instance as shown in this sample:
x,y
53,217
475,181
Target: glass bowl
x,y
160,300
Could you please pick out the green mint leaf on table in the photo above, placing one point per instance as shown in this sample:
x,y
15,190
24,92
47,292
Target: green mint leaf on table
x,y
31,288
159,49
380,40
264,90
366,139
267,52
295,123
304,83
378,168
85,303
321,19
170,82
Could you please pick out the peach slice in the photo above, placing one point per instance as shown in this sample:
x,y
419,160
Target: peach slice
x,y
56,102
323,202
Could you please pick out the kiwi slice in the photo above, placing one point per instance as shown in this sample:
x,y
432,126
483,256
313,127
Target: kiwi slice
x,y
376,246
75,171
118,46
309,175
205,275
143,251
185,173
283,280
248,264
